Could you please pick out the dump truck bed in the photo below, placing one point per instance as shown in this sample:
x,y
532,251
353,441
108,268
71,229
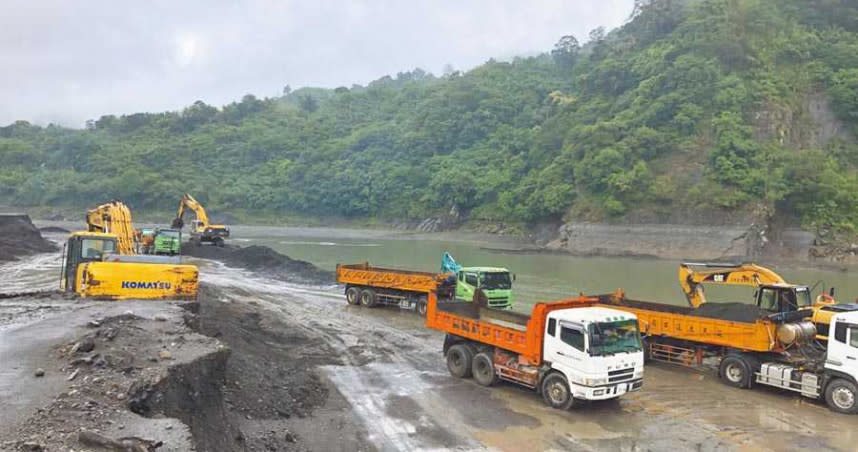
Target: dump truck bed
x,y
523,334
684,323
390,278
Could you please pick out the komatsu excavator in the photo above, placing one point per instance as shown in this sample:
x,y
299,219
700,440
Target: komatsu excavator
x,y
102,262
201,230
773,293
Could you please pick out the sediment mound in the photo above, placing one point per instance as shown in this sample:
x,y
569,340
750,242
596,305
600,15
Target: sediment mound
x,y
264,260
18,237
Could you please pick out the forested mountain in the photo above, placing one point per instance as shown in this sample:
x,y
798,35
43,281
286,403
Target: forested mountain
x,y
709,104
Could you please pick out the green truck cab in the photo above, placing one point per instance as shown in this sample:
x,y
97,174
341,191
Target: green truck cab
x,y
160,241
495,282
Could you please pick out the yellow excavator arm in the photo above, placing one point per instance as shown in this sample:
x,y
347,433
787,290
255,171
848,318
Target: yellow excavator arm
x,y
114,217
692,281
189,202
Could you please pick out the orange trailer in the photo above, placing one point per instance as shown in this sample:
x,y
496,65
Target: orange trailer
x,y
370,286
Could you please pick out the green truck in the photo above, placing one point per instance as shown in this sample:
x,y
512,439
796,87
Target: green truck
x,y
165,242
495,282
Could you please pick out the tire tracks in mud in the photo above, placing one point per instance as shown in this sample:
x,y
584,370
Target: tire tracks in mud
x,y
388,376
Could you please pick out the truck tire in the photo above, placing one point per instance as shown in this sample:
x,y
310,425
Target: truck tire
x,y
737,371
422,306
368,298
353,295
483,369
841,395
218,242
555,391
459,360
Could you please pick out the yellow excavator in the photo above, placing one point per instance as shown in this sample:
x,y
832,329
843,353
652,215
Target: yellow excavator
x,y
201,230
773,293
114,217
102,262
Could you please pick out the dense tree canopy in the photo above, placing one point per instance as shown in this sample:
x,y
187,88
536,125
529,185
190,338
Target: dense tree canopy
x,y
708,103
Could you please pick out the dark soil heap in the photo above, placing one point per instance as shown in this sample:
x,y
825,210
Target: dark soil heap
x,y
18,237
736,312
264,260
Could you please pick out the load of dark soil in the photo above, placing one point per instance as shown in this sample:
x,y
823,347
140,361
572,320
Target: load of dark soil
x,y
18,237
264,260
736,312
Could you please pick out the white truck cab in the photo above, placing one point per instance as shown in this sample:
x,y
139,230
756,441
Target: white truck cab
x,y
841,364
598,349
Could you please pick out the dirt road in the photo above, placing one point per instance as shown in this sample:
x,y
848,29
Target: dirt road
x,y
389,369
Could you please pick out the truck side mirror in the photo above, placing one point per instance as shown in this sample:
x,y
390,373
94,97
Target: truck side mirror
x,y
513,276
831,291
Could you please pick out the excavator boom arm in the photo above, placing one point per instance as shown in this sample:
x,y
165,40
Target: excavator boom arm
x,y
692,281
189,202
114,218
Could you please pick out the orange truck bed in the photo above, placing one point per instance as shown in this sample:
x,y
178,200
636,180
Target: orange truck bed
x,y
464,320
389,278
678,322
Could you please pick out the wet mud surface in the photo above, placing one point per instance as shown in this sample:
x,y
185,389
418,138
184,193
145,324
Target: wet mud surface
x,y
306,371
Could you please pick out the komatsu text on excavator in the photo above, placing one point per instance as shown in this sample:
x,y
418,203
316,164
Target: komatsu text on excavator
x,y
201,230
773,293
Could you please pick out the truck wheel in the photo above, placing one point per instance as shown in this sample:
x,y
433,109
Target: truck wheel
x,y
841,395
368,298
219,242
353,295
459,359
422,307
555,391
736,371
483,369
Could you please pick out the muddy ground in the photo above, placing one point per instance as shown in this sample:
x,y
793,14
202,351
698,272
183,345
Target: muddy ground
x,y
265,363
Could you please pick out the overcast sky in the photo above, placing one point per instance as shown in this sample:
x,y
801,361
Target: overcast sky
x,y
66,62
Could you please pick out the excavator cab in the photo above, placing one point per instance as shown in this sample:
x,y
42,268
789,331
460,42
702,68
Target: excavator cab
x,y
84,247
783,298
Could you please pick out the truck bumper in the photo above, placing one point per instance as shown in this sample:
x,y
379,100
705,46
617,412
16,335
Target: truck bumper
x,y
605,392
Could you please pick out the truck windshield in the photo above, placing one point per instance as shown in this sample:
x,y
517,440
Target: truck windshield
x,y
492,281
608,338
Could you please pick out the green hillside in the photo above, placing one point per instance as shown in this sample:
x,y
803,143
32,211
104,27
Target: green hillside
x,y
715,104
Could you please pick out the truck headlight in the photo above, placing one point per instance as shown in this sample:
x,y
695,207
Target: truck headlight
x,y
639,373
595,381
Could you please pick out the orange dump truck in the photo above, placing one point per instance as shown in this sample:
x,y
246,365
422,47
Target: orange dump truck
x,y
752,346
569,350
371,286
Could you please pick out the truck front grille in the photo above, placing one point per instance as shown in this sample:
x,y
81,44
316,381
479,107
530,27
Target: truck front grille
x,y
621,375
498,302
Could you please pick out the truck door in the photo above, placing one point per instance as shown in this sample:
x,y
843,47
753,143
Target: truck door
x,y
565,345
466,286
843,349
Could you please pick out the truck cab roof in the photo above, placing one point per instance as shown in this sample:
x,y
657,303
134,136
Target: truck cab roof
x,y
593,314
486,269
847,317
